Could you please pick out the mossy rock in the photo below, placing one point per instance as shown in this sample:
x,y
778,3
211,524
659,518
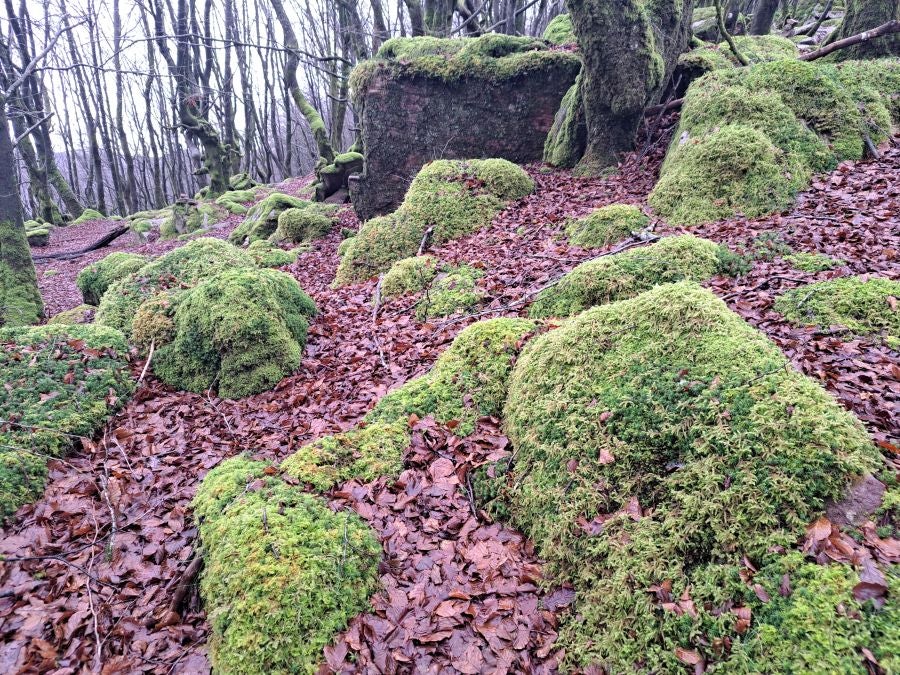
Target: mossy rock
x,y
409,275
567,138
267,254
283,574
451,291
560,32
812,262
606,225
154,321
452,197
38,237
77,315
240,331
364,453
179,269
96,278
262,218
661,447
625,275
468,381
241,181
197,218
862,306
749,139
301,225
235,201
88,214
61,382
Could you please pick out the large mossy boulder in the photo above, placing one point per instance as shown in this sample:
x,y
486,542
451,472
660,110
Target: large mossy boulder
x,y
88,215
560,32
177,270
749,139
239,331
262,218
302,225
664,451
94,279
448,199
625,275
416,95
606,225
59,382
283,573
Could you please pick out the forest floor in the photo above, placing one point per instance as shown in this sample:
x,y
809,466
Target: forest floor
x,y
92,568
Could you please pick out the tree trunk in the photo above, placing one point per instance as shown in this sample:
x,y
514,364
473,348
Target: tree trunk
x,y
20,300
629,52
863,15
763,16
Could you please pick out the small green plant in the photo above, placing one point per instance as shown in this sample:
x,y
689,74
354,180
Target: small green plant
x,y
768,246
732,264
812,262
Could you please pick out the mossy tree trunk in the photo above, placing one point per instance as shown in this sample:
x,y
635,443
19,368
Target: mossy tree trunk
x,y
863,15
629,48
20,300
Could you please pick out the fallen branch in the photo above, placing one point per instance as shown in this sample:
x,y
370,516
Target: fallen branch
x,y
425,239
100,243
180,588
674,104
884,29
147,364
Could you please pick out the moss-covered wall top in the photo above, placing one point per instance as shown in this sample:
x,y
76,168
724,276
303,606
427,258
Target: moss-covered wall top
x,y
425,98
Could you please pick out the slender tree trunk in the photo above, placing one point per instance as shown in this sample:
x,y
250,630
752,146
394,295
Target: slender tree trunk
x,y
763,16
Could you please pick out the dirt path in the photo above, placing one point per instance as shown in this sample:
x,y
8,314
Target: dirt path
x,y
92,565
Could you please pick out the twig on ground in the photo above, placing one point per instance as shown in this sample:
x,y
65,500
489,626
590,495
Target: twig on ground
x,y
425,239
147,364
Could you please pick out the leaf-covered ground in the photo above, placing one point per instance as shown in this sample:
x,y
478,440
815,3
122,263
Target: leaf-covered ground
x,y
92,569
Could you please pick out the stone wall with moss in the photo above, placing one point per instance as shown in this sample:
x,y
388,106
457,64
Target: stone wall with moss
x,y
427,98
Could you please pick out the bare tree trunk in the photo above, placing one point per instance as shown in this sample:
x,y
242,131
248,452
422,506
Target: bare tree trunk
x,y
763,16
130,187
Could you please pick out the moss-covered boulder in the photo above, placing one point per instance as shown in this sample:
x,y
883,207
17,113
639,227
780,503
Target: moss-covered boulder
x,y
267,254
364,453
452,291
59,382
239,331
664,450
38,237
468,381
409,275
302,225
862,306
235,200
560,32
177,270
76,315
749,139
283,573
88,214
188,218
606,225
241,181
96,278
708,57
450,198
624,275
262,218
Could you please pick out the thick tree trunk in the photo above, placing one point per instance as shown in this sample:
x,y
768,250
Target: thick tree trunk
x,y
863,15
629,50
763,16
20,300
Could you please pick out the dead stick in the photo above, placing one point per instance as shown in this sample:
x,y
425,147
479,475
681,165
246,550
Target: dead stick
x,y
100,243
180,588
865,36
147,364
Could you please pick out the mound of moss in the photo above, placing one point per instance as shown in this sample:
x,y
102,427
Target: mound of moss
x,y
94,279
266,254
468,381
241,181
749,139
606,225
239,331
812,262
76,315
452,291
409,275
179,269
235,200
624,275
862,306
60,382
560,32
662,447
302,225
283,573
88,214
449,198
364,453
262,218
191,219
756,48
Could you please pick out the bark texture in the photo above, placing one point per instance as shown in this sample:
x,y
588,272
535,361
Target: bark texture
x,y
630,49
863,15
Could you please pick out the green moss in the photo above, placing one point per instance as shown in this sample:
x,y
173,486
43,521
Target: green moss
x,y
567,138
76,315
451,197
626,274
20,300
409,275
606,225
364,453
863,307
560,32
179,269
761,48
96,278
38,237
60,382
240,331
262,219
241,181
768,246
453,291
33,225
658,441
468,381
283,573
88,214
345,245
301,225
812,262
154,321
266,254
196,218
